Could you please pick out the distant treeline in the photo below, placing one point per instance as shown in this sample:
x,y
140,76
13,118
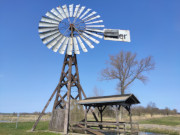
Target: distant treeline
x,y
152,110
24,113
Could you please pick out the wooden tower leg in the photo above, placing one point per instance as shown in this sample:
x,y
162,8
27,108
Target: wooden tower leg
x,y
44,109
67,110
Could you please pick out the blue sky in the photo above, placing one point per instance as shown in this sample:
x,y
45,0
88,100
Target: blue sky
x,y
29,71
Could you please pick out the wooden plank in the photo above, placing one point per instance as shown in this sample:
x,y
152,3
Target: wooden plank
x,y
99,123
100,130
91,130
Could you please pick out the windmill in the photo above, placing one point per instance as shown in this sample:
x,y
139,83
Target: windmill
x,y
68,30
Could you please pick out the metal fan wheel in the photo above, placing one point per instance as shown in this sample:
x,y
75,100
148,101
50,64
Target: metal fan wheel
x,y
66,28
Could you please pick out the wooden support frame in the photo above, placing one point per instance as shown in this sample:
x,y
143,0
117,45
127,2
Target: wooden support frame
x,y
101,109
67,80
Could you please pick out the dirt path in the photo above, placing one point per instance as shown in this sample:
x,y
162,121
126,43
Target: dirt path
x,y
162,127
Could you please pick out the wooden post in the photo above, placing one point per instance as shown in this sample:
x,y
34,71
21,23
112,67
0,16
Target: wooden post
x,y
117,119
67,110
101,117
130,116
85,119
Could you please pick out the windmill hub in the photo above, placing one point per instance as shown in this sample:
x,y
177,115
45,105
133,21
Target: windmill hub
x,y
72,27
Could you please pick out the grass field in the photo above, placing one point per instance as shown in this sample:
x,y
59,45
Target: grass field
x,y
169,121
167,125
26,123
23,128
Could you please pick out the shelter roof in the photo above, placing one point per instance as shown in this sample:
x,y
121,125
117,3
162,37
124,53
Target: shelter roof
x,y
126,99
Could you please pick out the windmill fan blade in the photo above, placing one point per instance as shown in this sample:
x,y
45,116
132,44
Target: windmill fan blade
x,y
53,42
47,39
94,34
76,10
61,12
87,42
99,21
46,29
70,28
45,19
52,16
70,46
71,10
46,34
63,47
94,40
66,11
76,48
94,25
89,15
81,44
55,12
95,30
80,11
93,18
58,44
85,13
45,24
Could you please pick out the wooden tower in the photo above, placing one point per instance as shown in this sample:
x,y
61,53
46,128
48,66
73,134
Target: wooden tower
x,y
69,79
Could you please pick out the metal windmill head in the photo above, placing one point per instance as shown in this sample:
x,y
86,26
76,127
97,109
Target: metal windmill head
x,y
68,27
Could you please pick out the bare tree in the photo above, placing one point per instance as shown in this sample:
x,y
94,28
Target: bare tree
x,y
126,68
151,108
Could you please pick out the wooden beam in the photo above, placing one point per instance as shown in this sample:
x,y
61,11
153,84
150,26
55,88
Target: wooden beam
x,y
91,130
104,108
85,119
117,118
67,111
61,98
72,97
77,96
60,81
130,116
65,74
43,111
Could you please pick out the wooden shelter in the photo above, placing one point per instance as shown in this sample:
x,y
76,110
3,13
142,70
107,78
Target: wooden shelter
x,y
126,101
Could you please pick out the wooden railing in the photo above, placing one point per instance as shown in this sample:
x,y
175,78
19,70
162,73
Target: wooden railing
x,y
121,127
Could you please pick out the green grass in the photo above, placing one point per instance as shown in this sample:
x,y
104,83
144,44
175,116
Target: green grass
x,y
23,128
169,121
160,131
